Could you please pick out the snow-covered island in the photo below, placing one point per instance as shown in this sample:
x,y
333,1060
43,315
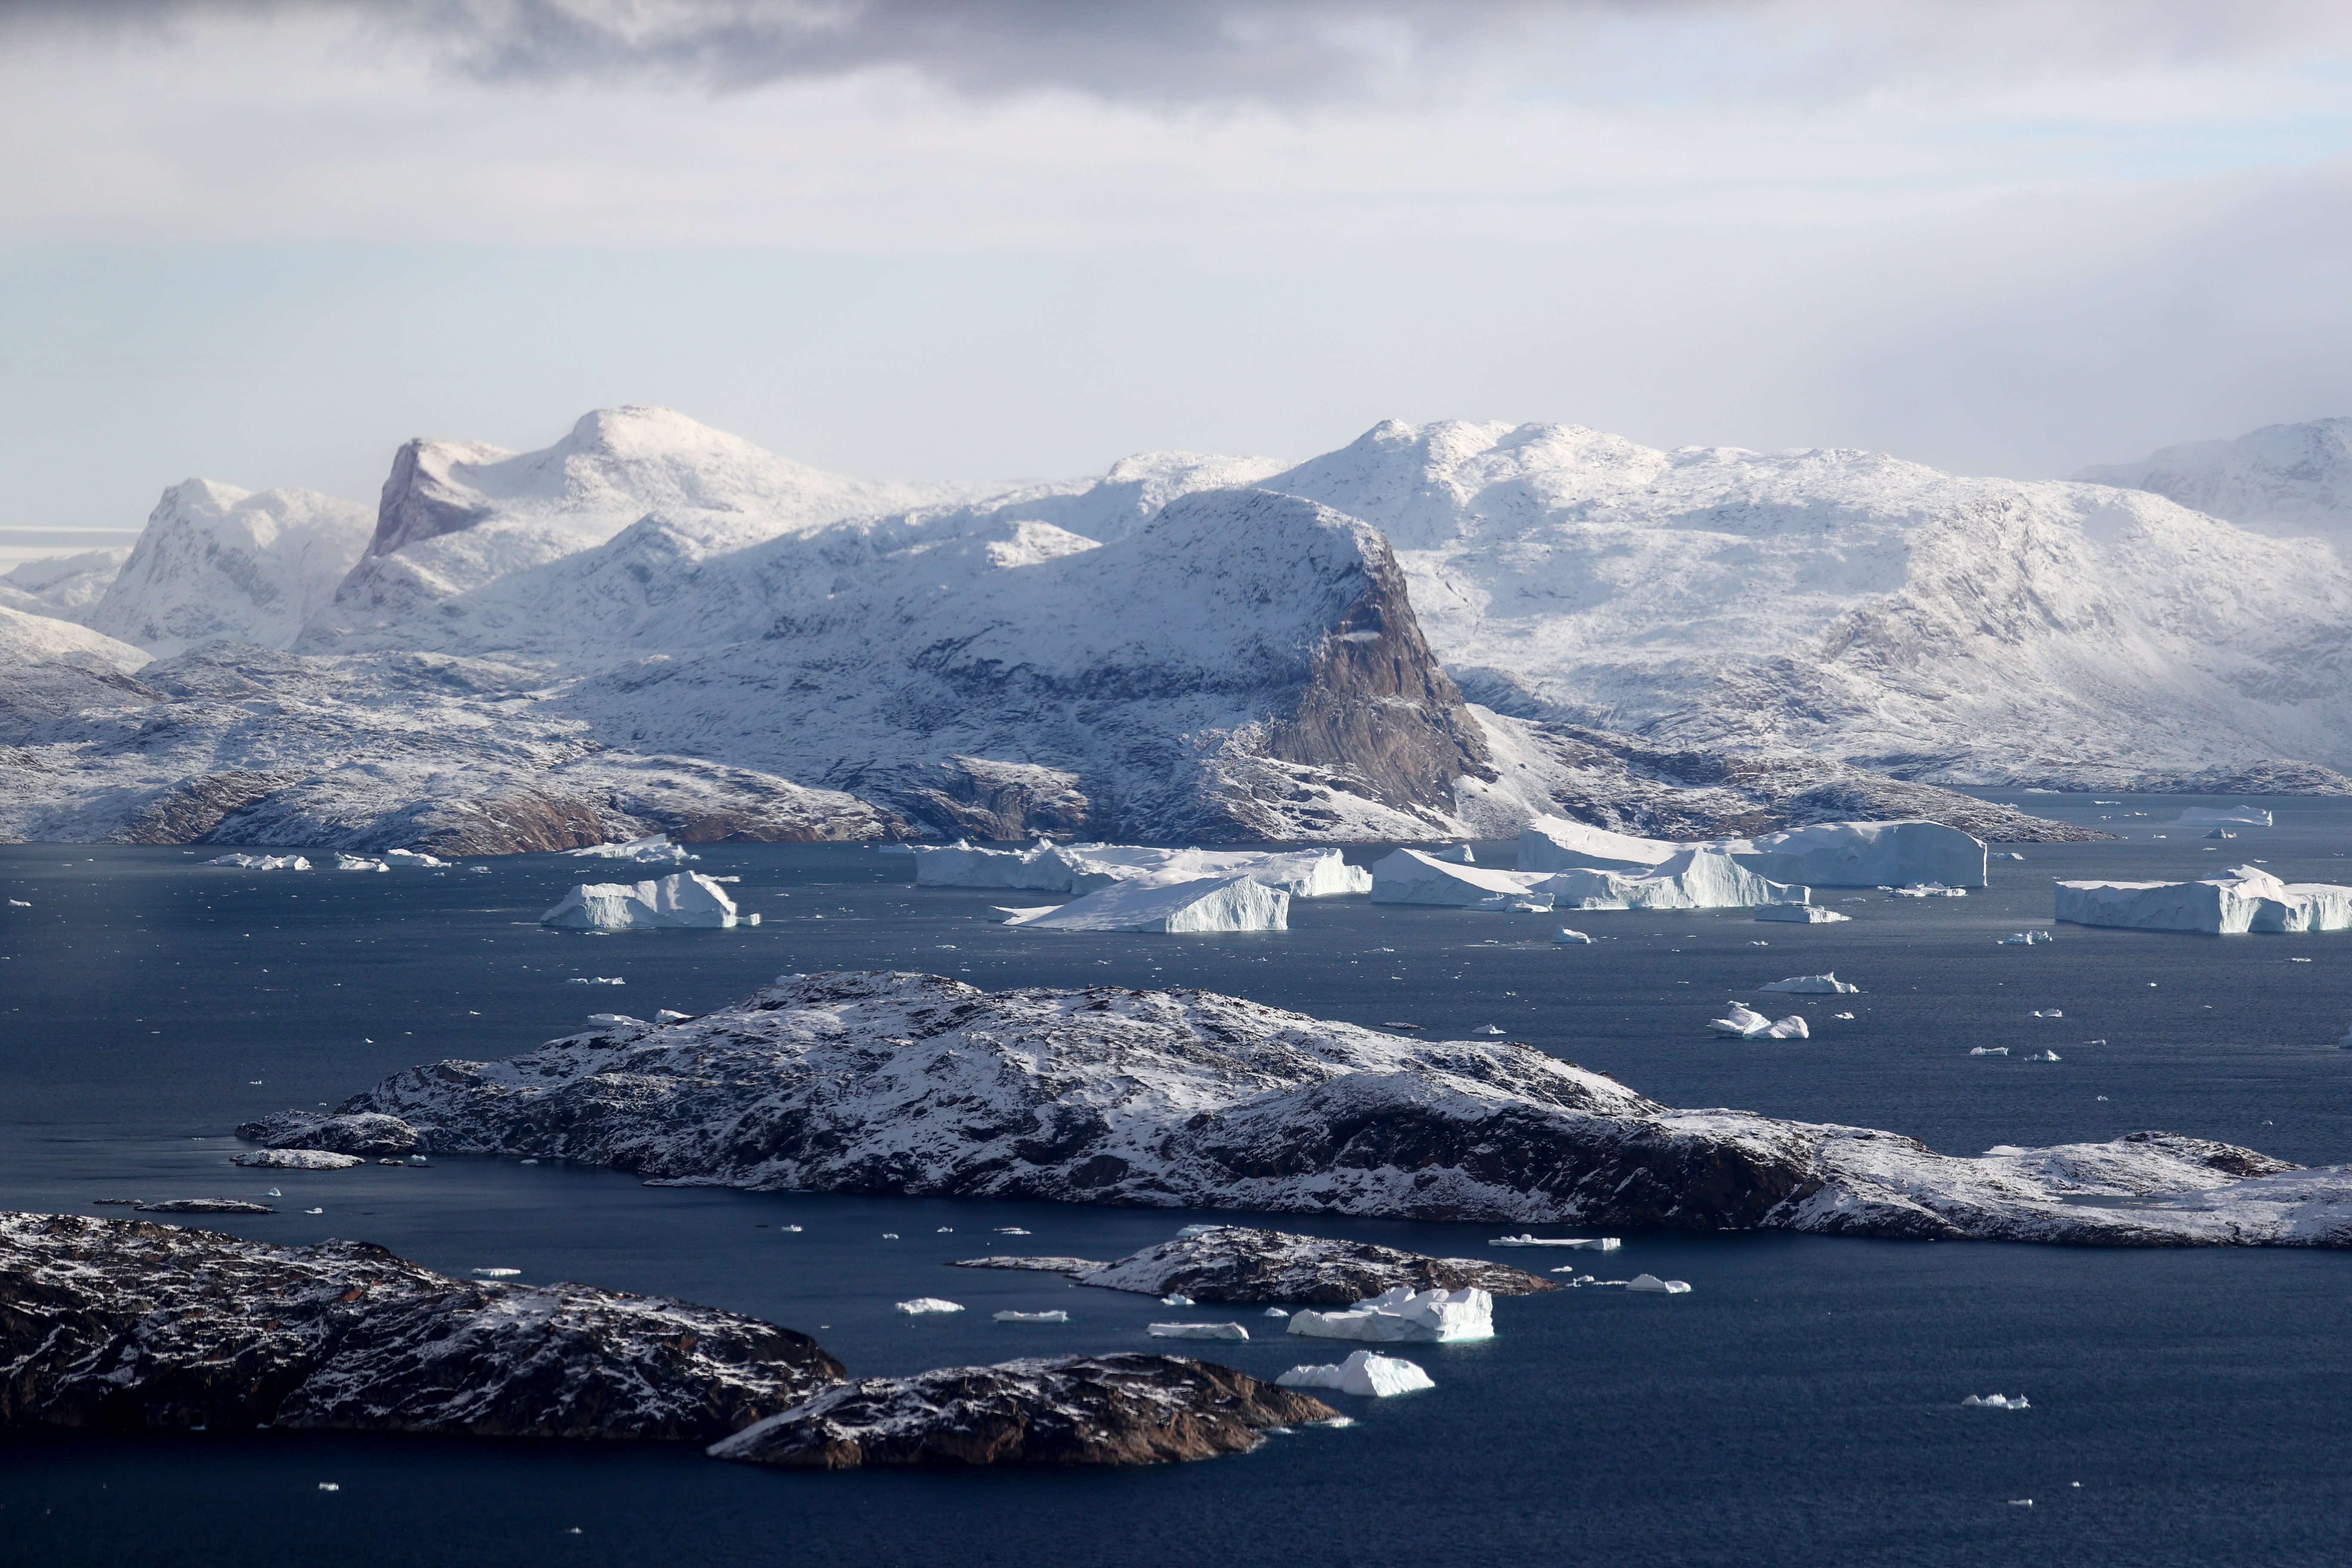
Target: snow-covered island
x,y
1243,1265
920,1085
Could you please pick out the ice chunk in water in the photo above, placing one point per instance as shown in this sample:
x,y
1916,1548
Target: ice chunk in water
x,y
1366,1372
1996,1402
1564,937
1651,1282
2048,1013
1800,914
1197,1331
2026,938
1813,985
1427,1316
922,1304
1033,1317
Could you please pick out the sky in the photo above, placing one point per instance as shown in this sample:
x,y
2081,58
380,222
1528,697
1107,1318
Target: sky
x,y
266,242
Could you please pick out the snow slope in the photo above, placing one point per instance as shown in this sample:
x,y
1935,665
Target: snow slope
x,y
1852,604
65,587
2285,481
220,564
50,666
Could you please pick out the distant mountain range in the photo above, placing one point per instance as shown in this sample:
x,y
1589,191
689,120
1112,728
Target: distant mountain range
x,y
1435,631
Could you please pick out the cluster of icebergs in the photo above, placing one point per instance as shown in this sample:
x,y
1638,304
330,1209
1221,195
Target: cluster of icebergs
x,y
392,859
2244,899
1121,887
685,898
652,851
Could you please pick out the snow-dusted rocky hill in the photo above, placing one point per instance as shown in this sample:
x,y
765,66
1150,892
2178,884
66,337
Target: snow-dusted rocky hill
x,y
2285,481
220,564
920,1085
64,587
50,666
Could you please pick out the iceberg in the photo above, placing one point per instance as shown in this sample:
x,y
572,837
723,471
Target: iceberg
x,y
414,858
2026,938
1697,878
1867,855
655,851
1404,1314
1197,1331
2241,899
1211,904
1551,844
2229,816
1926,891
1996,1402
1813,986
1364,1371
1586,1243
1749,1025
1564,937
1039,867
1651,1282
359,863
922,1304
262,862
1416,877
1057,1317
1800,914
686,899
1077,869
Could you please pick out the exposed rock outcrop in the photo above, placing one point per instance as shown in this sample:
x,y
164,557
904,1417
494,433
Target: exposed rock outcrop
x,y
125,1325
1129,1409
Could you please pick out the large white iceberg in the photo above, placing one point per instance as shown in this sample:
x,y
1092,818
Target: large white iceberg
x,y
1211,904
1415,876
1749,1025
1405,1314
1048,867
261,862
1197,1332
1825,855
685,898
2231,816
2244,899
1366,1372
1697,878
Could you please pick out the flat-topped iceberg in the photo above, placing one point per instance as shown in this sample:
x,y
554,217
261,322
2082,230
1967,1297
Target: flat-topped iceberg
x,y
685,898
2231,816
1211,904
1825,855
1048,867
1367,1372
1696,878
2241,899
1197,1332
1416,877
1404,1314
654,850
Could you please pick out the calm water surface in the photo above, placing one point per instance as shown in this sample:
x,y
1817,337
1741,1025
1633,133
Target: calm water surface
x,y
1801,1405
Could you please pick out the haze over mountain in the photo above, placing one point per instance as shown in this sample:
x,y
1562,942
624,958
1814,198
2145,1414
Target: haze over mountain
x,y
2287,480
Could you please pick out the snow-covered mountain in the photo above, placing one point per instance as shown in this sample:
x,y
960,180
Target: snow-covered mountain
x,y
456,515
64,587
1853,605
220,564
50,666
2287,480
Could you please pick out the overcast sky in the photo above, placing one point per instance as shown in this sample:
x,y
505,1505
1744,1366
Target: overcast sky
x,y
266,242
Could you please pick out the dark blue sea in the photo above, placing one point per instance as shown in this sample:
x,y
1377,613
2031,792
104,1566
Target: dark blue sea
x,y
1802,1406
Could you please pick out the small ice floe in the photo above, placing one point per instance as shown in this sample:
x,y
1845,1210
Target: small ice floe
x,y
1197,1331
922,1304
1801,914
18,904
595,980
330,1486
670,1016
945,1230
500,1273
1847,1016
1813,985
1176,1299
1988,1050
273,1193
1926,891
1564,937
532,1162
1760,944
2041,1057
2048,1013
1427,1316
1653,1284
1582,1243
1010,1230
2026,938
2220,833
789,1229
2007,855
2021,1502
359,863
314,1211
1996,1402
1276,1312
1489,1029
889,1236
1367,1372
2298,960
1057,1317
1749,1025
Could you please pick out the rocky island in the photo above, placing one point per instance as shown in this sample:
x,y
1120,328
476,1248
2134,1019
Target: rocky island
x,y
1235,1263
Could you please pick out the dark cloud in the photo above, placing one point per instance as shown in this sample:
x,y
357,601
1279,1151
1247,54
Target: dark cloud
x,y
1208,51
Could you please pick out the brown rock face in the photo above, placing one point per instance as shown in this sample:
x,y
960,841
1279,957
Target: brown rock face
x,y
126,1325
1133,1409
185,813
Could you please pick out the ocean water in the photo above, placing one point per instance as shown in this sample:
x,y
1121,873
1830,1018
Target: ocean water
x,y
1801,1405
